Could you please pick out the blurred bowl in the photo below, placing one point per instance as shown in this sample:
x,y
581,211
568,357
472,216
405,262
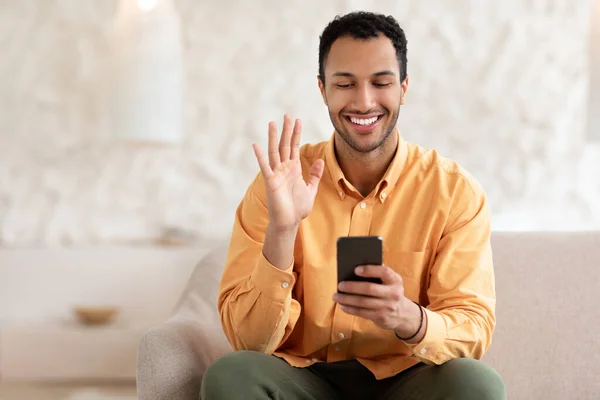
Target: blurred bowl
x,y
95,315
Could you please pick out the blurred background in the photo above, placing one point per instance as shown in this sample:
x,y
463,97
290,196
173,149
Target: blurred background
x,y
125,146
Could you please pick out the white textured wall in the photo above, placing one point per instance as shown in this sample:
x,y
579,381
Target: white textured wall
x,y
594,98
500,86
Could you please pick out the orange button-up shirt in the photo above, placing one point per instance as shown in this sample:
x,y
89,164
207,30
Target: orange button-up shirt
x,y
434,222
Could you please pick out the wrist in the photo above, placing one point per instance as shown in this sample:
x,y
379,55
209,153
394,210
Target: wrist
x,y
283,233
278,247
412,328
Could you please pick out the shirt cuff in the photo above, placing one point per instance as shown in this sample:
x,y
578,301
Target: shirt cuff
x,y
272,281
428,349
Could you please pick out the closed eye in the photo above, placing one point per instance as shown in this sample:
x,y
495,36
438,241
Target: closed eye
x,y
381,85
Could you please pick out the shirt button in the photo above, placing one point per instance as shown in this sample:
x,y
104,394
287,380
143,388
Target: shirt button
x,y
315,360
341,194
363,205
307,361
423,351
337,348
285,285
341,335
383,195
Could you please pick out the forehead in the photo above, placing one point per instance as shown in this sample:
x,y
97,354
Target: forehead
x,y
361,57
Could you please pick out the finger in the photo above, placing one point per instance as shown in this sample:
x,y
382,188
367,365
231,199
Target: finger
x,y
366,302
295,144
262,161
386,274
286,138
315,174
274,159
363,289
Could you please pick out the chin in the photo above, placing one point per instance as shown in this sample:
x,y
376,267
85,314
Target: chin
x,y
363,143
367,140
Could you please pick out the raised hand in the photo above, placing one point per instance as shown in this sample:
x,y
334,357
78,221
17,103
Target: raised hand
x,y
289,197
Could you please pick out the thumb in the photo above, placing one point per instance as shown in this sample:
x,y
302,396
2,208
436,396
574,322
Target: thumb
x,y
315,174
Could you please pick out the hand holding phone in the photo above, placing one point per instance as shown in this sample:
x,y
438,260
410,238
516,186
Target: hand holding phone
x,y
353,251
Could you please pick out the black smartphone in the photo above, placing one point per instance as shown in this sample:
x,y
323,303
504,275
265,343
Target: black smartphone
x,y
353,251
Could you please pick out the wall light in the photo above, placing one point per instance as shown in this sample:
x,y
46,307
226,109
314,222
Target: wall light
x,y
146,101
146,5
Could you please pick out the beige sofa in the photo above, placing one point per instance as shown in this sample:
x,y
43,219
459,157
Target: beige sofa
x,y
546,344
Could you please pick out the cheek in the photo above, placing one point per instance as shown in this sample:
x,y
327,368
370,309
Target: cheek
x,y
335,104
392,100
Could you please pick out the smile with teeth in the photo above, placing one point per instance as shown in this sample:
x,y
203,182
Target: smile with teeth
x,y
363,121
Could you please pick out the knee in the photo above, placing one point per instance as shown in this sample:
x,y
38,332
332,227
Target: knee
x,y
233,370
467,378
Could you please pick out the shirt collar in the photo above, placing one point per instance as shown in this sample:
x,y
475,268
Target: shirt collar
x,y
389,178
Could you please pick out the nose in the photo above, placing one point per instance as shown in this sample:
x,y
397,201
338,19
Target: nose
x,y
365,98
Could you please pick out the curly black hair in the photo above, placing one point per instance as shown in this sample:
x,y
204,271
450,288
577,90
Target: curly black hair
x,y
363,25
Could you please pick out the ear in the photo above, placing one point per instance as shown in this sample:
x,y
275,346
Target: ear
x,y
404,90
322,89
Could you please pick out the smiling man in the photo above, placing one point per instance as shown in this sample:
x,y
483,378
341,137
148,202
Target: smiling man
x,y
420,332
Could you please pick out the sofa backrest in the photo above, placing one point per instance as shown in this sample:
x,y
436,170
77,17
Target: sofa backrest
x,y
547,339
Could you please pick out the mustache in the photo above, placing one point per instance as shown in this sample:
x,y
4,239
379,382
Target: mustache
x,y
358,112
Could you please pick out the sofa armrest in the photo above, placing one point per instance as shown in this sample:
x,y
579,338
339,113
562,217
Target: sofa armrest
x,y
173,356
169,365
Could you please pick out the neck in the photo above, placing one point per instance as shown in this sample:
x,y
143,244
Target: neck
x,y
365,170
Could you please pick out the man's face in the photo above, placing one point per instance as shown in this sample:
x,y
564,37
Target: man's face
x,y
362,90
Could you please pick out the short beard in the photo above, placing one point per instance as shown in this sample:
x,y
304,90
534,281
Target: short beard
x,y
338,126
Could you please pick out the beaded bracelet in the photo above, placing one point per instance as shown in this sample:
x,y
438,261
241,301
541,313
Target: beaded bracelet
x,y
420,325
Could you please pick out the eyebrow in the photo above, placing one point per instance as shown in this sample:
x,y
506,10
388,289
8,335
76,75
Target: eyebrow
x,y
380,73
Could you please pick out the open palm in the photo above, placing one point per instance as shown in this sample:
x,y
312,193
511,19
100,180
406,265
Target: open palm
x,y
289,197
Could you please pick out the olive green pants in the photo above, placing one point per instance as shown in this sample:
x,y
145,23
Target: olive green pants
x,y
251,375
